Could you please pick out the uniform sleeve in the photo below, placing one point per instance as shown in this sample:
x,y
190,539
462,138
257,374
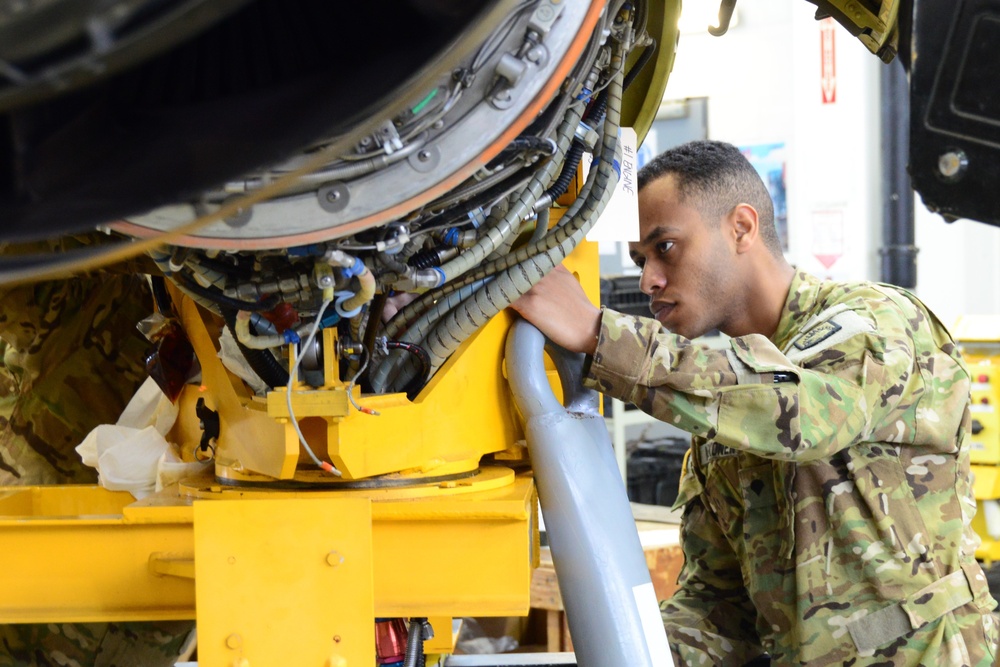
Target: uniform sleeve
x,y
841,383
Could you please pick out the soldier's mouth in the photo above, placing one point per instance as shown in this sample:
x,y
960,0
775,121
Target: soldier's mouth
x,y
661,309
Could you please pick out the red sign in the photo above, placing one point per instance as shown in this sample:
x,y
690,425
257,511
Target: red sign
x,y
828,60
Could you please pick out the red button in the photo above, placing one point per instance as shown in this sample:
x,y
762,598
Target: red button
x,y
984,400
983,378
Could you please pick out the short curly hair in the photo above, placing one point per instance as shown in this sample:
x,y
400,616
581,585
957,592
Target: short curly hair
x,y
718,176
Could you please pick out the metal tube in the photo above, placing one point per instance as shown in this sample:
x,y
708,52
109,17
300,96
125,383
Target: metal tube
x,y
606,589
899,250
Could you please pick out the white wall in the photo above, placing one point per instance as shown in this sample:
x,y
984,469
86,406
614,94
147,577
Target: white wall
x,y
958,266
748,82
834,153
763,83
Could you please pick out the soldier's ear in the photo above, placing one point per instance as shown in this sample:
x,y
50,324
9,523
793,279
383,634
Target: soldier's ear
x,y
744,227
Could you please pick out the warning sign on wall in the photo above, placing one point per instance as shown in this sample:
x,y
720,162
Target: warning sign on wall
x,y
828,60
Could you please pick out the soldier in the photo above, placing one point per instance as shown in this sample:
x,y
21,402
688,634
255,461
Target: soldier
x,y
827,497
71,360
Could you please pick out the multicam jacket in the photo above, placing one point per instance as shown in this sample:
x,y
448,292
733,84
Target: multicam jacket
x,y
827,497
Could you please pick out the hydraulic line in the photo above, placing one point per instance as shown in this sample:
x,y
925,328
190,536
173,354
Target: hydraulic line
x,y
392,363
353,266
464,320
405,318
561,241
527,266
162,260
241,329
309,182
434,304
414,387
411,312
262,362
218,299
374,321
541,226
521,208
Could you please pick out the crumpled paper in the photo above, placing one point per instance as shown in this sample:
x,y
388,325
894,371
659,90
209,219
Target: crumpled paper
x,y
133,454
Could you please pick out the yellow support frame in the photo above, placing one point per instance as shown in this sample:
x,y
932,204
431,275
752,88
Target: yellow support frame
x,y
272,578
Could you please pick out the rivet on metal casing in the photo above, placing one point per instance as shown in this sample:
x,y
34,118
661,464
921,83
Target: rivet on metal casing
x,y
333,197
426,159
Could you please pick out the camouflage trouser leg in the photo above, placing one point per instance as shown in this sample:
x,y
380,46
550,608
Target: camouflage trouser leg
x,y
152,644
74,360
709,620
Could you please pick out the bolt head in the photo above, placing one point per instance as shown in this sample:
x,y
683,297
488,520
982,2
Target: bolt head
x,y
952,165
334,558
233,641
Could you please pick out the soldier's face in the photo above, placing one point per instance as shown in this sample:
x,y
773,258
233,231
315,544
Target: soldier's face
x,y
686,264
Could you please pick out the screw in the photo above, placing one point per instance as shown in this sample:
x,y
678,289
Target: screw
x,y
336,638
333,559
332,195
233,641
232,560
424,155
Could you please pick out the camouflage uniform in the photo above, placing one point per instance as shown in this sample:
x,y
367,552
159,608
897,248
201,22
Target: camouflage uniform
x,y
72,359
827,498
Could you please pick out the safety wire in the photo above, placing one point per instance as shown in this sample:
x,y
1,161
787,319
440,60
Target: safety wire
x,y
354,381
293,374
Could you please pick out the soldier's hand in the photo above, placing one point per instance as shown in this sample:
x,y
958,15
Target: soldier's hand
x,y
560,309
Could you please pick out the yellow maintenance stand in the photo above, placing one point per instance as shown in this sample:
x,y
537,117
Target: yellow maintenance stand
x,y
979,337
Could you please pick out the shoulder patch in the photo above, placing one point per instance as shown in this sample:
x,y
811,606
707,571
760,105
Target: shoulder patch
x,y
817,334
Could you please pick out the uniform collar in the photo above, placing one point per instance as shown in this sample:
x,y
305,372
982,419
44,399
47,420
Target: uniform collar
x,y
802,297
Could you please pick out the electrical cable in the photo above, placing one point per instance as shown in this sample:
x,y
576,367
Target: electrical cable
x,y
293,375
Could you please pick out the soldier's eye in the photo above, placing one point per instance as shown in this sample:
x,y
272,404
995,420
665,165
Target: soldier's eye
x,y
664,246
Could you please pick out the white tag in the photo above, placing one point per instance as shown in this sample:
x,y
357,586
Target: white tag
x,y
620,219
652,625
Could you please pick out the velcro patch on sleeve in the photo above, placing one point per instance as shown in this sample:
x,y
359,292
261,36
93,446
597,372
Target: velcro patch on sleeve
x,y
817,335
